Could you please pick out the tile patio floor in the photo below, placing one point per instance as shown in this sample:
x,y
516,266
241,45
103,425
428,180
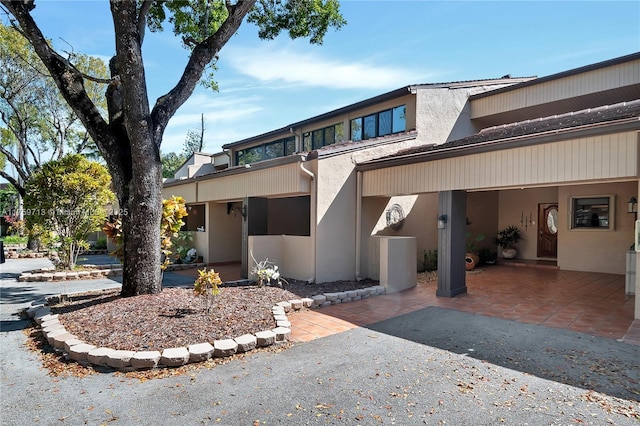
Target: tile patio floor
x,y
587,302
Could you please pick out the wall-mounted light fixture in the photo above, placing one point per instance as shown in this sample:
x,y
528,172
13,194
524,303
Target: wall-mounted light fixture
x,y
442,221
234,209
632,205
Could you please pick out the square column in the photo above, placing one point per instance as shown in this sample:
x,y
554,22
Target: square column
x,y
452,227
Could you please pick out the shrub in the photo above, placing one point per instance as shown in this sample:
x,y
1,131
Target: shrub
x,y
430,260
206,287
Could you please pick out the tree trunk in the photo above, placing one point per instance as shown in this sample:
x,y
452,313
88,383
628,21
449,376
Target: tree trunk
x,y
142,213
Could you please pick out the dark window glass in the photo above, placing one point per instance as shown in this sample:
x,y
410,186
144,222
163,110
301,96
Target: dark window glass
x,y
329,135
290,146
306,142
274,150
399,119
369,127
591,212
356,129
251,155
239,158
318,138
384,123
339,135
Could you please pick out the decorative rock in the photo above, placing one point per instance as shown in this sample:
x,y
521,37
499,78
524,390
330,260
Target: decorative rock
x,y
31,312
224,347
351,294
68,344
72,275
53,326
285,324
174,357
246,342
145,359
120,359
277,310
59,276
265,338
363,292
49,322
282,333
99,356
342,295
43,314
58,341
331,297
82,275
325,304
200,352
346,300
96,273
336,302
356,298
319,299
296,304
25,277
47,277
307,302
50,335
285,305
79,352
280,317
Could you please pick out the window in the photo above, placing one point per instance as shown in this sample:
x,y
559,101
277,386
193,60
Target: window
x,y
266,151
595,212
194,221
379,124
323,137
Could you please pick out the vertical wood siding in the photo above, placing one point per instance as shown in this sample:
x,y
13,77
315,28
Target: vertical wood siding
x,y
287,179
620,75
586,159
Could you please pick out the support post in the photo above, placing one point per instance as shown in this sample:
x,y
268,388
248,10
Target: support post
x,y
452,223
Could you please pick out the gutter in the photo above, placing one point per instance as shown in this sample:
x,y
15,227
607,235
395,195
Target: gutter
x,y
312,216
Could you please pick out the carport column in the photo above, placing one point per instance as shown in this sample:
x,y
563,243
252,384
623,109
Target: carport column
x,y
637,291
452,224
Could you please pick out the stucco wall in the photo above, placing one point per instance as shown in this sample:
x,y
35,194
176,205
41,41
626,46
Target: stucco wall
x,y
290,253
518,203
482,217
594,249
224,234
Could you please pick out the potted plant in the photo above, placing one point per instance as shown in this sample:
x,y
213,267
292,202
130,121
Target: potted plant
x,y
506,239
472,259
487,256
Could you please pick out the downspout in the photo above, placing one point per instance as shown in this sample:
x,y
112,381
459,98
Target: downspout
x,y
312,217
358,223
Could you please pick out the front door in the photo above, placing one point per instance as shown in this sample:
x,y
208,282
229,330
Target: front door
x,y
548,230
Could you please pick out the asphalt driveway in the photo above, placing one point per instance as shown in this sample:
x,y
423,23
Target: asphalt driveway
x,y
433,366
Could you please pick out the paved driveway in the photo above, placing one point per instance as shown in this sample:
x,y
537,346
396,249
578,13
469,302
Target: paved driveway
x,y
431,366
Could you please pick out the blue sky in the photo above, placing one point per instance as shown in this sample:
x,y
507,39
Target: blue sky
x,y
265,85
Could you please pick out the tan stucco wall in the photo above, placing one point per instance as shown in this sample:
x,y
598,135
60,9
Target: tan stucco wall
x,y
482,216
224,234
596,250
187,191
518,203
290,253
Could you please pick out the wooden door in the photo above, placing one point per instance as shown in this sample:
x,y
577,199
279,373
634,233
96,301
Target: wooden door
x,y
548,230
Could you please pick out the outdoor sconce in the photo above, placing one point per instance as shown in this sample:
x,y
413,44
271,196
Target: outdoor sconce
x,y
442,221
632,205
242,210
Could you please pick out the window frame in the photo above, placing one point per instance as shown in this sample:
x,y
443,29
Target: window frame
x,y
262,149
360,136
611,213
311,143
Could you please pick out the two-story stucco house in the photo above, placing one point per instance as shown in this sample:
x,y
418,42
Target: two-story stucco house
x,y
557,156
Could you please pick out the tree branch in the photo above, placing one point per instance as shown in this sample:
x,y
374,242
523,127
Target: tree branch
x,y
142,18
13,182
202,55
13,160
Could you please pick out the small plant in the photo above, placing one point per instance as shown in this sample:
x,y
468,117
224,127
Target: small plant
x,y
17,227
266,272
14,239
101,244
508,237
471,241
487,256
206,287
430,260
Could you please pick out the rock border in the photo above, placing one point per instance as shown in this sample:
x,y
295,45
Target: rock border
x,y
87,354
90,273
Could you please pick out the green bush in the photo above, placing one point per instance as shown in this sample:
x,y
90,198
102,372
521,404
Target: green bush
x,y
14,239
101,244
430,260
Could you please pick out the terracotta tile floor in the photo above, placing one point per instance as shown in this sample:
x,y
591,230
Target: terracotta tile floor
x,y
586,302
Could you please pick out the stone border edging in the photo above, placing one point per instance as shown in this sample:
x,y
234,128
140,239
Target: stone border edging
x,y
84,353
93,272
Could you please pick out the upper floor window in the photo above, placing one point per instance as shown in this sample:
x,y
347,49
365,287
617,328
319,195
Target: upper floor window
x,y
323,137
266,151
379,124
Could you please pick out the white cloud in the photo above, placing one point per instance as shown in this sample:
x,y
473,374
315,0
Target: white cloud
x,y
285,65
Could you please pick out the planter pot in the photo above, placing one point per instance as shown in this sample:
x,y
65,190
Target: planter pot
x,y
509,253
471,261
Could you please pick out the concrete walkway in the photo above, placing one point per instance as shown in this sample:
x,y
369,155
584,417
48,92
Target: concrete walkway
x,y
430,366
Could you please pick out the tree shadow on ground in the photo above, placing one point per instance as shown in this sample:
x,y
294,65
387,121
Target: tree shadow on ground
x,y
577,359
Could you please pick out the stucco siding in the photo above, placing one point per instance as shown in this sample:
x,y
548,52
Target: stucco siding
x,y
287,179
596,250
224,233
612,156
